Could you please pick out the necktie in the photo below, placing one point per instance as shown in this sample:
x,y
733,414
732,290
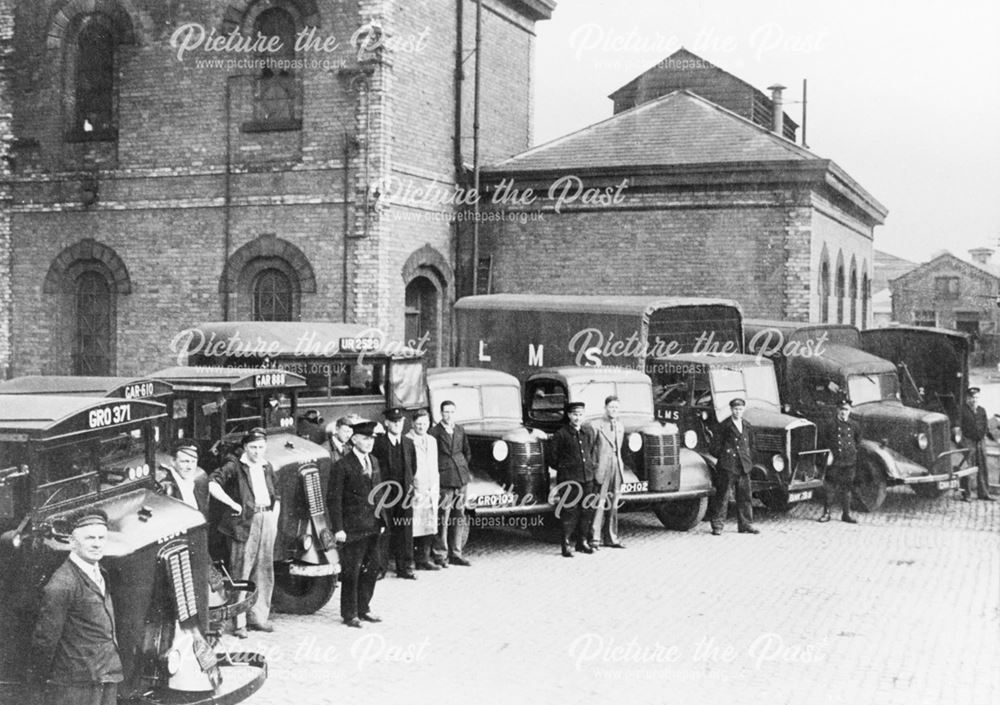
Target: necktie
x,y
614,435
98,578
368,466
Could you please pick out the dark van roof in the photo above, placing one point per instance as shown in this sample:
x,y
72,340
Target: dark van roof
x,y
253,340
120,387
221,379
589,303
50,416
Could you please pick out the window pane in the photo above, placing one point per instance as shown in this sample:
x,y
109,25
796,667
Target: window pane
x,y
272,296
95,78
92,347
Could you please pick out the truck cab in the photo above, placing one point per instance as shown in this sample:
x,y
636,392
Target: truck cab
x,y
60,454
508,469
694,392
214,407
660,473
901,445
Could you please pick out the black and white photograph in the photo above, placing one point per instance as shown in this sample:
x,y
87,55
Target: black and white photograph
x,y
499,351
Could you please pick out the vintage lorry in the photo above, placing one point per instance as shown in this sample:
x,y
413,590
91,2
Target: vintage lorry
x,y
60,454
821,365
690,348
213,407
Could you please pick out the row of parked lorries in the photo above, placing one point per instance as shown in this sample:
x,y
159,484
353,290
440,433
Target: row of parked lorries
x,y
674,364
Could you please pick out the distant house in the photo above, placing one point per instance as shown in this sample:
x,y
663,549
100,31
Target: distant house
x,y
683,70
949,292
885,268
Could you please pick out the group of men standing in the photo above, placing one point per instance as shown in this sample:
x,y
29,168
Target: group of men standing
x,y
396,499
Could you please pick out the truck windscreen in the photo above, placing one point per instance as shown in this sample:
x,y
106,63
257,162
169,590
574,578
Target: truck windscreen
x,y
634,398
874,387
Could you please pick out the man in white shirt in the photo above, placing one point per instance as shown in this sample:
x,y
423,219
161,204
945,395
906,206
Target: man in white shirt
x,y
184,480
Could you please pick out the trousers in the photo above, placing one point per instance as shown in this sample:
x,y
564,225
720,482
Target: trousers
x,y
253,559
360,565
740,481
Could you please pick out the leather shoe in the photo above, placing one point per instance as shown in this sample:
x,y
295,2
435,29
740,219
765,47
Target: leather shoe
x,y
240,633
849,519
584,548
262,627
750,530
966,498
407,575
825,518
369,617
987,498
441,563
353,622
427,565
567,552
458,560
716,532
616,544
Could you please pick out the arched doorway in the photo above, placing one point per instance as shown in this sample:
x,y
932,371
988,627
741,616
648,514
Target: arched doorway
x,y
423,316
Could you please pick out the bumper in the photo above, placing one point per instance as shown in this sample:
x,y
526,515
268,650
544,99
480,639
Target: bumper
x,y
308,570
656,497
510,510
942,477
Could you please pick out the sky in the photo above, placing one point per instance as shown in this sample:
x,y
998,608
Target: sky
x,y
905,96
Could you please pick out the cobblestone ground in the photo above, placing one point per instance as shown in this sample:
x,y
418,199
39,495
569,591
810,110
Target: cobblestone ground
x,y
902,608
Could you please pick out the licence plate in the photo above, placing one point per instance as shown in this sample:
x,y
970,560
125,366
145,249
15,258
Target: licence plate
x,y
948,484
799,496
633,487
496,500
312,571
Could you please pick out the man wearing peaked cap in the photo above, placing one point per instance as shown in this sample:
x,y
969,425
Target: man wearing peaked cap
x,y
731,444
397,457
358,519
73,644
573,454
248,486
183,479
842,437
975,430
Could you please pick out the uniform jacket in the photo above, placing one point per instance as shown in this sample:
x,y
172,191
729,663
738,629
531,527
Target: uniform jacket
x,y
400,470
74,638
349,498
574,454
609,449
975,426
168,486
843,438
732,448
454,456
234,477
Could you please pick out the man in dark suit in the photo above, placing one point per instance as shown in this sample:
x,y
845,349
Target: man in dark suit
x,y
731,446
842,437
73,644
454,456
358,519
975,429
572,451
397,457
184,480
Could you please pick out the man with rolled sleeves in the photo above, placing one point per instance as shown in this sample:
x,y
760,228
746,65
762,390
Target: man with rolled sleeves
x,y
397,458
184,480
454,456
843,439
731,446
74,648
358,519
573,454
975,429
249,488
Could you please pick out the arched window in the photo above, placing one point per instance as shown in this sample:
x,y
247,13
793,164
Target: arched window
x,y
824,291
852,293
275,104
94,308
839,292
273,296
423,313
865,296
94,82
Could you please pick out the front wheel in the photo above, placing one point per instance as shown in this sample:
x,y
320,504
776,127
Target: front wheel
x,y
683,515
776,500
297,594
869,486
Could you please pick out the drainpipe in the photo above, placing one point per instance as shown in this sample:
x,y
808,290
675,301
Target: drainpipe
x,y
347,225
475,149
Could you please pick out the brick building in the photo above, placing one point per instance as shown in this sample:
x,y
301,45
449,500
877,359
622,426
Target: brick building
x,y
885,268
679,196
949,292
147,188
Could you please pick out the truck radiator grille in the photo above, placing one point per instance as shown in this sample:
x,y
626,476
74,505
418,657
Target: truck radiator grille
x,y
313,489
178,564
660,450
526,456
769,441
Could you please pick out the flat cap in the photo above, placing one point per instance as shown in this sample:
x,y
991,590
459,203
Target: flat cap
x,y
738,401
186,448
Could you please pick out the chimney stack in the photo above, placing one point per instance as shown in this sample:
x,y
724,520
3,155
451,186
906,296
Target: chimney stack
x,y
778,121
981,255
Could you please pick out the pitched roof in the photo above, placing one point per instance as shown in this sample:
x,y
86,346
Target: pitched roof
x,y
678,128
941,258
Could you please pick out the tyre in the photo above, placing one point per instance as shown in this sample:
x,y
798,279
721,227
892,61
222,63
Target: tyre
x,y
683,515
776,500
295,594
869,486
